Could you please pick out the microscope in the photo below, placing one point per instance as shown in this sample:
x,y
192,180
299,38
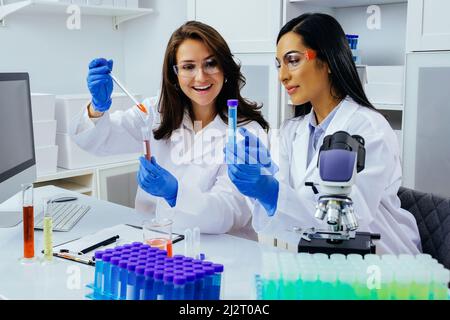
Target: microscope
x,y
341,157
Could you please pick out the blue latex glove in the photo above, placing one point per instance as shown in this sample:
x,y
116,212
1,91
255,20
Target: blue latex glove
x,y
100,83
157,181
251,170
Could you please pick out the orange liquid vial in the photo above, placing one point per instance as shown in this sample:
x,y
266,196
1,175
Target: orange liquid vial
x,y
169,248
148,155
28,232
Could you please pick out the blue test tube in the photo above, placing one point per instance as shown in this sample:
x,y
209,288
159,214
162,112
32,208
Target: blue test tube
x,y
160,267
106,275
190,285
98,277
125,256
135,249
114,284
168,285
188,259
123,279
140,283
131,280
232,120
207,263
169,260
217,281
148,287
199,284
178,257
179,284
207,291
178,272
162,253
168,269
158,284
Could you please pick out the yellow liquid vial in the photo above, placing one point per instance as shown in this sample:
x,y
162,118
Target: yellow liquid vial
x,y
48,241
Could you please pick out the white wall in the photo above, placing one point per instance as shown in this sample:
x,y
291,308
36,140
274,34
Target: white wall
x,y
57,58
145,41
378,47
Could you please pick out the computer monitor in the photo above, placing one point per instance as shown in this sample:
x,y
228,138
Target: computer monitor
x,y
17,157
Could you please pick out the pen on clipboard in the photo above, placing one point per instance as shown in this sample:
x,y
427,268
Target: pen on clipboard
x,y
74,258
98,245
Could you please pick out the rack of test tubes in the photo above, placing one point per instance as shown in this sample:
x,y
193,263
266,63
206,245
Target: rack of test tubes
x,y
139,272
305,276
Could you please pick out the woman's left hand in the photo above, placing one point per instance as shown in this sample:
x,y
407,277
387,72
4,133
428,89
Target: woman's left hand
x,y
251,170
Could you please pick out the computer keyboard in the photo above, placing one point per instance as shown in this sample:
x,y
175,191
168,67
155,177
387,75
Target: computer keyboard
x,y
65,216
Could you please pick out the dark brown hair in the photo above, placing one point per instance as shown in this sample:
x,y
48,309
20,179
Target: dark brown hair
x,y
173,101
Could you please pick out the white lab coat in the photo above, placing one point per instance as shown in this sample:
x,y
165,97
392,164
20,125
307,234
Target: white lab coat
x,y
206,197
374,194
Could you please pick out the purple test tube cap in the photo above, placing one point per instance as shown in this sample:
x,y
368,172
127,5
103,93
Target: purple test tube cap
x,y
232,102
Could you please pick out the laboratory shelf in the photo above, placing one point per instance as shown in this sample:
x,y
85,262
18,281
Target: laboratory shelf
x,y
65,173
346,3
119,15
67,185
388,107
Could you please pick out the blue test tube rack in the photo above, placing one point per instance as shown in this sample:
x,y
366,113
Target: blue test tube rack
x,y
139,272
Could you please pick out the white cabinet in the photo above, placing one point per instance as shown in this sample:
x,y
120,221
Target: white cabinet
x,y
113,182
262,84
117,183
247,26
428,25
426,165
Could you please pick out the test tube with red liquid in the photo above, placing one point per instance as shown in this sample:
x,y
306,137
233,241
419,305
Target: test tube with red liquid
x,y
28,221
146,132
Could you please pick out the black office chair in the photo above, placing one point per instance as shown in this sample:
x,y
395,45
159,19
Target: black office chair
x,y
432,215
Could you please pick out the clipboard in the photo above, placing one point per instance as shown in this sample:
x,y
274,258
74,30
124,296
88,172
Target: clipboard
x,y
127,234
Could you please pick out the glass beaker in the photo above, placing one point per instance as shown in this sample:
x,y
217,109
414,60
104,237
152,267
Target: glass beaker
x,y
158,233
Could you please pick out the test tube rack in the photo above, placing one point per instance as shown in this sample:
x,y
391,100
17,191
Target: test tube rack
x,y
138,271
304,276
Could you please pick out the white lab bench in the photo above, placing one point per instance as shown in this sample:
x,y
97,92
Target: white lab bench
x,y
66,280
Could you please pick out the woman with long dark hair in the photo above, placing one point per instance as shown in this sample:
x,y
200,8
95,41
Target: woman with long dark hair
x,y
316,68
186,178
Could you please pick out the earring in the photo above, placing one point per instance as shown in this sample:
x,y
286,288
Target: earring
x,y
226,80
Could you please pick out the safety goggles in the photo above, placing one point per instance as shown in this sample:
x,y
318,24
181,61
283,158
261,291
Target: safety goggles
x,y
293,60
190,69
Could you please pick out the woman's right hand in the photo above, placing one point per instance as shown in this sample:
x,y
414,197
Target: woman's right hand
x,y
100,84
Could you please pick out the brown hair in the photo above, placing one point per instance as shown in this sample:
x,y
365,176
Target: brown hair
x,y
173,101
